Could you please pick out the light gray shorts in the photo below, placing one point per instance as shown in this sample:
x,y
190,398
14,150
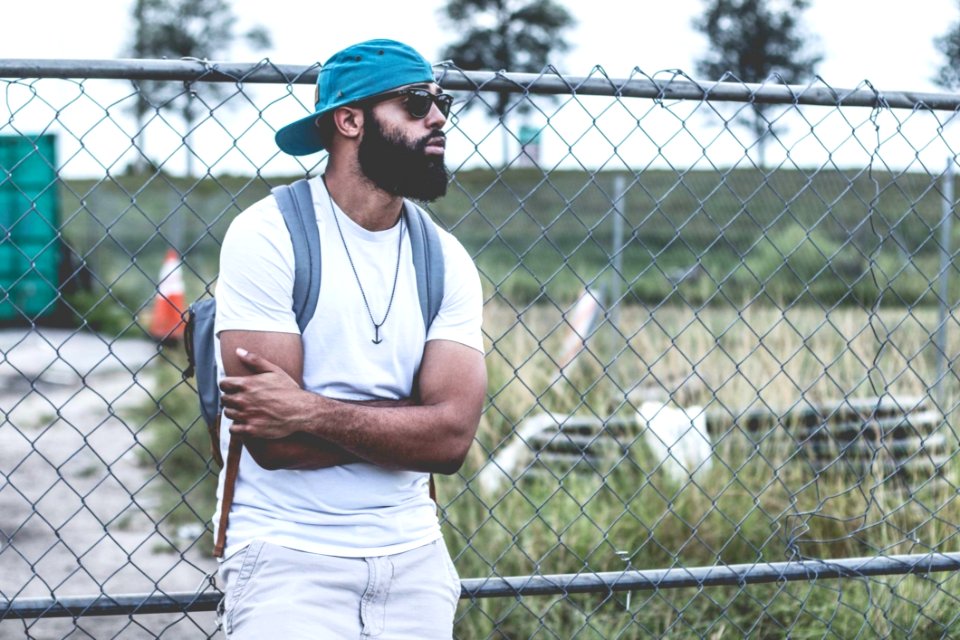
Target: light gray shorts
x,y
275,592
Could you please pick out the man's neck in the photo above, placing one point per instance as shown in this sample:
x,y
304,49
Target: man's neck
x,y
366,204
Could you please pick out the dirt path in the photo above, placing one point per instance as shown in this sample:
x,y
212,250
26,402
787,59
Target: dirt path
x,y
77,509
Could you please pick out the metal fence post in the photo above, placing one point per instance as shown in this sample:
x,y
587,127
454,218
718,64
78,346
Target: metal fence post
x,y
946,228
617,282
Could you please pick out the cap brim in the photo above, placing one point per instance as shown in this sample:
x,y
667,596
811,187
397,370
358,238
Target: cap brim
x,y
300,138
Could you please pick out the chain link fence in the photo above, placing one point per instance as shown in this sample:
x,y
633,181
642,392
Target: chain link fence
x,y
720,333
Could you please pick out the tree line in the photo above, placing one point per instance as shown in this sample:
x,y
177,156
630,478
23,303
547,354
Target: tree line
x,y
749,41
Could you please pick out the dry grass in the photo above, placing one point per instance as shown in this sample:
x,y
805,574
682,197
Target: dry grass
x,y
762,499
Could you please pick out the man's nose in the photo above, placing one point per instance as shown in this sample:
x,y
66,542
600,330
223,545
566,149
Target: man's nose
x,y
435,118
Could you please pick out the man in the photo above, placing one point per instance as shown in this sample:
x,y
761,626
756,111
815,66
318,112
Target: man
x,y
332,533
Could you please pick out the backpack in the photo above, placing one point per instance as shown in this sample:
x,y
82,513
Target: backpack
x,y
296,205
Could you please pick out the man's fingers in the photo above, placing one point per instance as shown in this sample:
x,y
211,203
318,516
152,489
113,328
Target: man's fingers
x,y
227,411
231,385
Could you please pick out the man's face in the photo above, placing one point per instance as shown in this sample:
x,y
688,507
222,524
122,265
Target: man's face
x,y
411,168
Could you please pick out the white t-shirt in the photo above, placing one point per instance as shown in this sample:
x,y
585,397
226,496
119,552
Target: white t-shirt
x,y
359,509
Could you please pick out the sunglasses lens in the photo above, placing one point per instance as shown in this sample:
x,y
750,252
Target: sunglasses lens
x,y
419,102
444,102
418,105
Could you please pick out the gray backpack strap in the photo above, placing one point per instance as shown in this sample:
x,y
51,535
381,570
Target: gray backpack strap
x,y
200,343
296,205
427,261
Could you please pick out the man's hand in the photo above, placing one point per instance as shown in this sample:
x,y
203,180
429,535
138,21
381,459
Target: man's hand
x,y
265,404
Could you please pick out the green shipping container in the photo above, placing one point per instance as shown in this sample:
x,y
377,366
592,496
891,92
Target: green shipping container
x,y
30,243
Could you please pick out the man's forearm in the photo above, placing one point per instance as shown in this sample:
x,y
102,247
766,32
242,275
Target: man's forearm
x,y
393,436
304,451
432,434
298,451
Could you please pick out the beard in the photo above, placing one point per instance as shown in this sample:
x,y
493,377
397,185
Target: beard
x,y
398,167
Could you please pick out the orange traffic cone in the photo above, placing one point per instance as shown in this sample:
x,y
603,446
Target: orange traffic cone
x,y
167,321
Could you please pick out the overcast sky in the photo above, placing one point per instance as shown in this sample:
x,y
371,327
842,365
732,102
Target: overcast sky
x,y
888,42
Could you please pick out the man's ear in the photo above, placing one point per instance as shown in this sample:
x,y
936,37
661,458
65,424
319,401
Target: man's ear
x,y
348,121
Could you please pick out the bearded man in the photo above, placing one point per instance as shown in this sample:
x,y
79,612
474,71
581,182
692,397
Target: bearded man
x,y
331,532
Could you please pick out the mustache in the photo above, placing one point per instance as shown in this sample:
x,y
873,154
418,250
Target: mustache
x,y
431,137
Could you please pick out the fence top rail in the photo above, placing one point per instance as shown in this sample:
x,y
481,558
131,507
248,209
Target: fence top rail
x,y
674,86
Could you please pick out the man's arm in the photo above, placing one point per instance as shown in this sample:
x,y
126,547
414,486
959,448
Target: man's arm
x,y
430,435
298,450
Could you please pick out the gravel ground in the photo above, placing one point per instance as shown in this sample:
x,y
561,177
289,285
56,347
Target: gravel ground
x,y
77,507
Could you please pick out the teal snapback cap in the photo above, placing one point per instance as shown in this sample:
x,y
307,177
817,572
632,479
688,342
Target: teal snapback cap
x,y
360,71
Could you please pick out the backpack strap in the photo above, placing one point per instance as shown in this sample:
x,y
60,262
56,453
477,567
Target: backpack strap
x,y
427,261
200,343
428,266
296,205
229,485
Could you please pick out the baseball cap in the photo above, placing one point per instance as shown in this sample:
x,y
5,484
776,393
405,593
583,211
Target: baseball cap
x,y
360,71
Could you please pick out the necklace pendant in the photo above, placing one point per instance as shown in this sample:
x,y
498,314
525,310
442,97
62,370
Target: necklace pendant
x,y
396,273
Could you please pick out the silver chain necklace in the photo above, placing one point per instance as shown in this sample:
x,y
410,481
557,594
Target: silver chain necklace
x,y
376,325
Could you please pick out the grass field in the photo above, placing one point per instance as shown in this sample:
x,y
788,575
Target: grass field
x,y
827,238
760,501
800,288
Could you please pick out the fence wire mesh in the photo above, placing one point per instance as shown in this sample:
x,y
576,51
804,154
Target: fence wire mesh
x,y
720,333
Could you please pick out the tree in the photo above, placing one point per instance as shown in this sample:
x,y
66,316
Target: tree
x,y
509,35
754,40
948,76
202,29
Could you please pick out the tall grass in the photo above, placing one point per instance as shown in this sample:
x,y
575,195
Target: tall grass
x,y
763,497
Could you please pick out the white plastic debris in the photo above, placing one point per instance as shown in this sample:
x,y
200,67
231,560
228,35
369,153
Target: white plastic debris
x,y
677,436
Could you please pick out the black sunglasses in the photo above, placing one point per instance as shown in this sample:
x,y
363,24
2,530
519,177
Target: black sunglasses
x,y
418,101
